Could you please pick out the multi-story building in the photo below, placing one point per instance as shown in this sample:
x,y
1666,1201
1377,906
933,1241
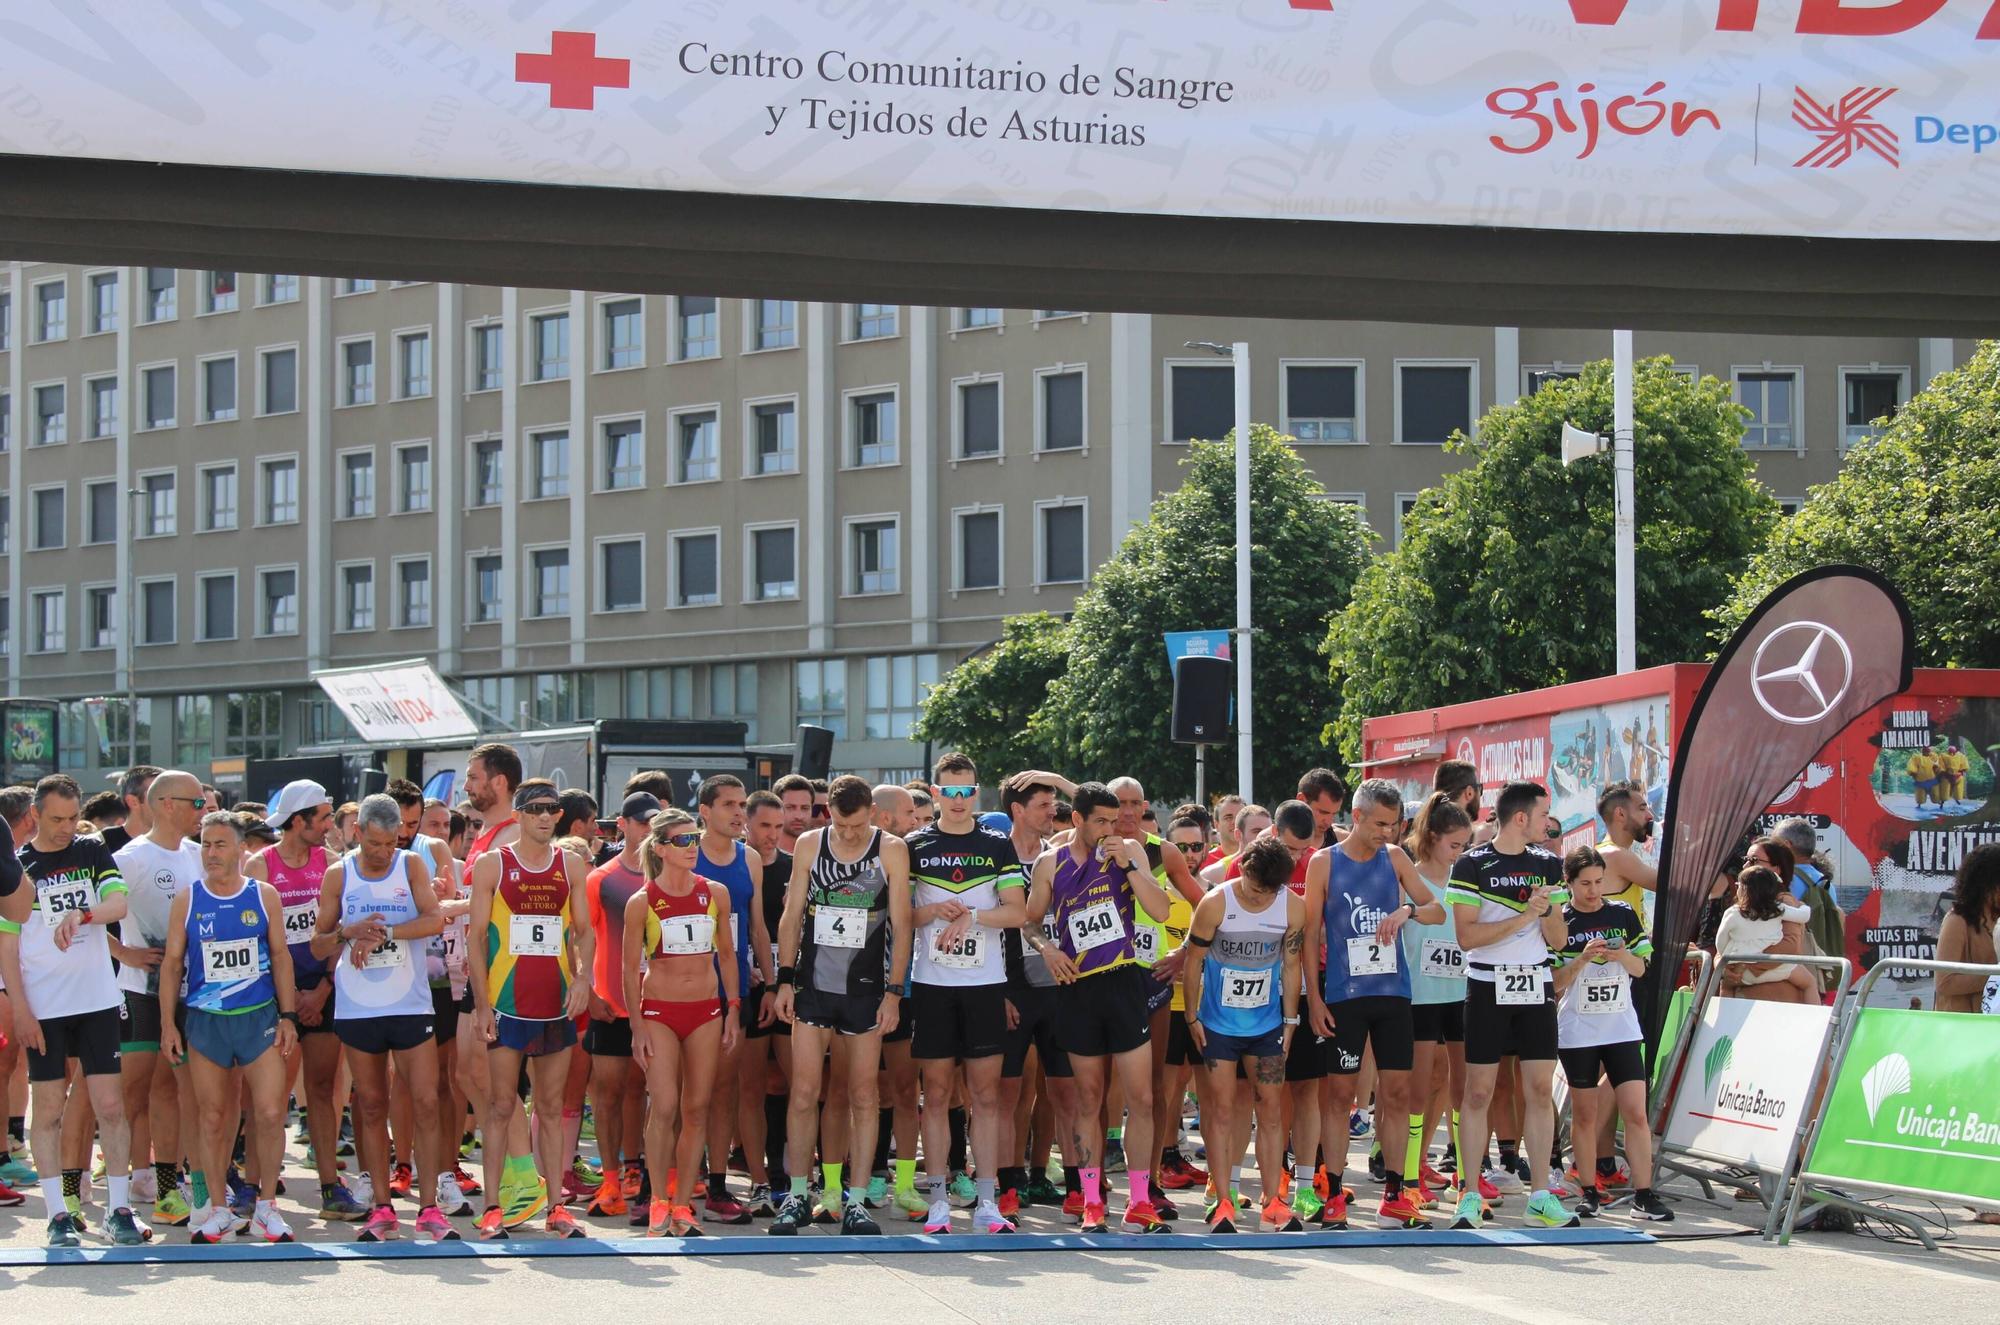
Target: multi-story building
x,y
583,504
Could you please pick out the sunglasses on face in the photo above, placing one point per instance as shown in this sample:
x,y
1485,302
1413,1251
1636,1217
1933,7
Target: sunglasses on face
x,y
820,812
682,840
959,793
1192,848
541,807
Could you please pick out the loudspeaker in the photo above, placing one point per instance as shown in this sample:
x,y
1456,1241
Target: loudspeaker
x,y
1201,699
815,752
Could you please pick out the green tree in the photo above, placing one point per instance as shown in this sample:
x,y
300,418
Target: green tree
x,y
1107,713
1921,505
983,705
1504,579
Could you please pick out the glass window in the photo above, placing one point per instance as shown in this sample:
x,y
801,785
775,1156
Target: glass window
x,y
820,691
622,575
1769,398
281,602
158,391
488,472
156,612
1436,402
117,718
281,491
194,730
280,289
486,587
356,285
1062,411
251,728
357,597
6,626
697,572
624,332
969,318
874,320
357,484
218,607
777,324
413,593
697,449
1204,402
104,301
979,550
413,364
218,498
6,319
103,406
218,389
486,358
873,553
550,452
156,505
6,418
100,512
413,478
550,566
777,437
696,336
732,694
1319,402
7,523
874,421
357,372
896,689
281,381
624,454
52,310
1868,397
1062,545
774,563
51,510
218,291
979,419
1541,377
51,414
51,616
659,692
100,618
550,339
563,697
161,284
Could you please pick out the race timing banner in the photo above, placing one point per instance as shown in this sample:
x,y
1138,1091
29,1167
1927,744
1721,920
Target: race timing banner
x,y
1869,119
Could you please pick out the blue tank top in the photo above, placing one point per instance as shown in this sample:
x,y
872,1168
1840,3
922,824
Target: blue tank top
x,y
394,982
735,876
1240,974
228,950
1359,893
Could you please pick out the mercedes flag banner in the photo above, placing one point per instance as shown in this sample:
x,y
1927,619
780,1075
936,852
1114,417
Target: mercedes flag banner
x,y
1824,648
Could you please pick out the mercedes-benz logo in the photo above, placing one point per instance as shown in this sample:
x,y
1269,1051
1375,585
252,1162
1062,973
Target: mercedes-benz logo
x,y
1797,693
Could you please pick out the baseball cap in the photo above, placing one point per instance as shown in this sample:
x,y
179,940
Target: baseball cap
x,y
301,795
640,806
997,821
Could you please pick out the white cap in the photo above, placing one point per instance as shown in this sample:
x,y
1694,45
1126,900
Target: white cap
x,y
301,795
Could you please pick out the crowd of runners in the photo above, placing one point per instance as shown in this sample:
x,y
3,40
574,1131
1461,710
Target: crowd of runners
x,y
776,1007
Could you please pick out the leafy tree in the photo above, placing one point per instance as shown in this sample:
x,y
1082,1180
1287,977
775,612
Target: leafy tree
x,y
1504,579
1107,713
983,705
1921,505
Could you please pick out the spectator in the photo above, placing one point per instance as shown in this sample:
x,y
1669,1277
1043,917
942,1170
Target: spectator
x,y
1967,934
1762,921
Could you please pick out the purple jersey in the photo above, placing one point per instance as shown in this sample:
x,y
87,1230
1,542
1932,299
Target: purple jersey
x,y
1091,902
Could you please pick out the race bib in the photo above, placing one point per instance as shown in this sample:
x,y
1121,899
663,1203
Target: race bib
x,y
394,954
452,947
1049,930
1442,957
58,897
840,926
687,936
1365,956
301,921
1095,925
1146,945
1517,986
1243,988
226,961
968,953
735,932
535,936
1602,995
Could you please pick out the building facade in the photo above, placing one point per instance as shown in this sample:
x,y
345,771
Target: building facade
x,y
602,505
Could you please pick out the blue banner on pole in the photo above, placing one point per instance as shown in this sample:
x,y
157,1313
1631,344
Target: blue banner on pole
x,y
1199,644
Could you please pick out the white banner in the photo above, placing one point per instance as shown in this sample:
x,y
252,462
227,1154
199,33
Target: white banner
x,y
1747,1086
397,703
1859,118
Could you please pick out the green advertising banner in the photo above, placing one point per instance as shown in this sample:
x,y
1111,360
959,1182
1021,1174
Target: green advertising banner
x,y
1670,1034
1916,1106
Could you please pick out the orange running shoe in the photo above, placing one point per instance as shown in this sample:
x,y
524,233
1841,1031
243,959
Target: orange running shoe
x,y
1222,1218
492,1224
1073,1205
631,1180
684,1224
1281,1217
609,1200
1144,1218
1322,1185
1402,1211
659,1219
562,1223
1093,1219
1334,1213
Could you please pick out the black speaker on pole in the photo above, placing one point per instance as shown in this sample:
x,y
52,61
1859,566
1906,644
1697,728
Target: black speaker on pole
x,y
1201,699
815,752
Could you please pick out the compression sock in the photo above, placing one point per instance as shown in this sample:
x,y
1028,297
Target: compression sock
x,y
1413,1157
1012,1178
959,1123
1142,1185
830,1184
17,1126
1072,1179
199,1182
1510,1154
72,1183
1093,1186
801,1186
777,1114
906,1174
167,1176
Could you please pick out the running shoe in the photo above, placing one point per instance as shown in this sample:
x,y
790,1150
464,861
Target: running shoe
x,y
683,1224
1073,1205
363,1191
1334,1213
1221,1216
1619,1176
1591,1203
1503,1181
878,1192
659,1219
1378,1168
1306,1204
1488,1191
210,1225
15,1173
1560,1189
1093,1218
1432,1179
1521,1170
631,1178
1358,1124
345,1147
126,1229
242,1197
988,1217
74,1206
1040,1191
451,1197
1144,1218
826,1210
574,1189
726,1209
1322,1184
1649,1206
380,1225
1426,1198
963,1190
937,1220
609,1201
9,1196
760,1203
145,1185
562,1224
857,1222
910,1202
1114,1157
1168,1210
340,1205
793,1213
431,1223
1009,1204
522,1203
171,1209
1282,1217
492,1224
1402,1211
1545,1211
1177,1175
268,1224
1471,1212
400,1179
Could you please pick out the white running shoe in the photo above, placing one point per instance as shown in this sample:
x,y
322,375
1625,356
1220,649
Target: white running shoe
x,y
450,1198
268,1224
362,1189
1506,1181
939,1218
986,1218
211,1224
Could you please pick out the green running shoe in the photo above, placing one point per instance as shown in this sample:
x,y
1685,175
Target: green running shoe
x,y
1040,1191
962,1190
172,1208
1545,1211
878,1192
1306,1203
911,1204
1470,1212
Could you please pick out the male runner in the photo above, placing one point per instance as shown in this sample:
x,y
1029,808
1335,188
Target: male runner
x,y
1227,842
56,960
894,813
1091,886
608,1040
443,954
1359,893
795,801
968,890
847,905
727,861
1630,878
768,1060
529,956
1324,793
133,791
1504,896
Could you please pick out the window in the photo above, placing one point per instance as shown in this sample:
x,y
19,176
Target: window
x,y
280,483
6,627
970,319
357,596
321,723
280,381
218,389
896,689
357,372
6,419
1537,378
7,522
194,730
775,434
1062,559
489,470
1201,401
156,505
51,414
1405,503
100,618
562,697
695,334
697,570
1062,410
1433,401
486,350
51,509
979,550
549,477
873,420
218,292
281,289
355,285
1789,506
774,563
103,399
872,556
697,449
413,478
52,310
100,512
820,688
621,575
357,484
413,365
218,498
160,294
156,612
624,334
623,455
549,337
659,692
251,728
732,694
1865,398
978,419
118,750
1322,402
50,616
775,325
874,321
157,390
103,301
218,606
1050,314
1771,398
486,587
413,592
6,319
549,569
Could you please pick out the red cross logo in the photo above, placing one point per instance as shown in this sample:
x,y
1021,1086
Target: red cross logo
x,y
1845,128
573,70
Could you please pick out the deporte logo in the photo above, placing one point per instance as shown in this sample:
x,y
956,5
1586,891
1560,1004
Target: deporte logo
x,y
1930,129
1845,128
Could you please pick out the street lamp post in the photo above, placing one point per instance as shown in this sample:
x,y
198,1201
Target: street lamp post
x,y
1239,356
131,614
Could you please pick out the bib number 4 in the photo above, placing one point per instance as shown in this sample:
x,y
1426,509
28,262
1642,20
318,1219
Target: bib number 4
x,y
840,927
